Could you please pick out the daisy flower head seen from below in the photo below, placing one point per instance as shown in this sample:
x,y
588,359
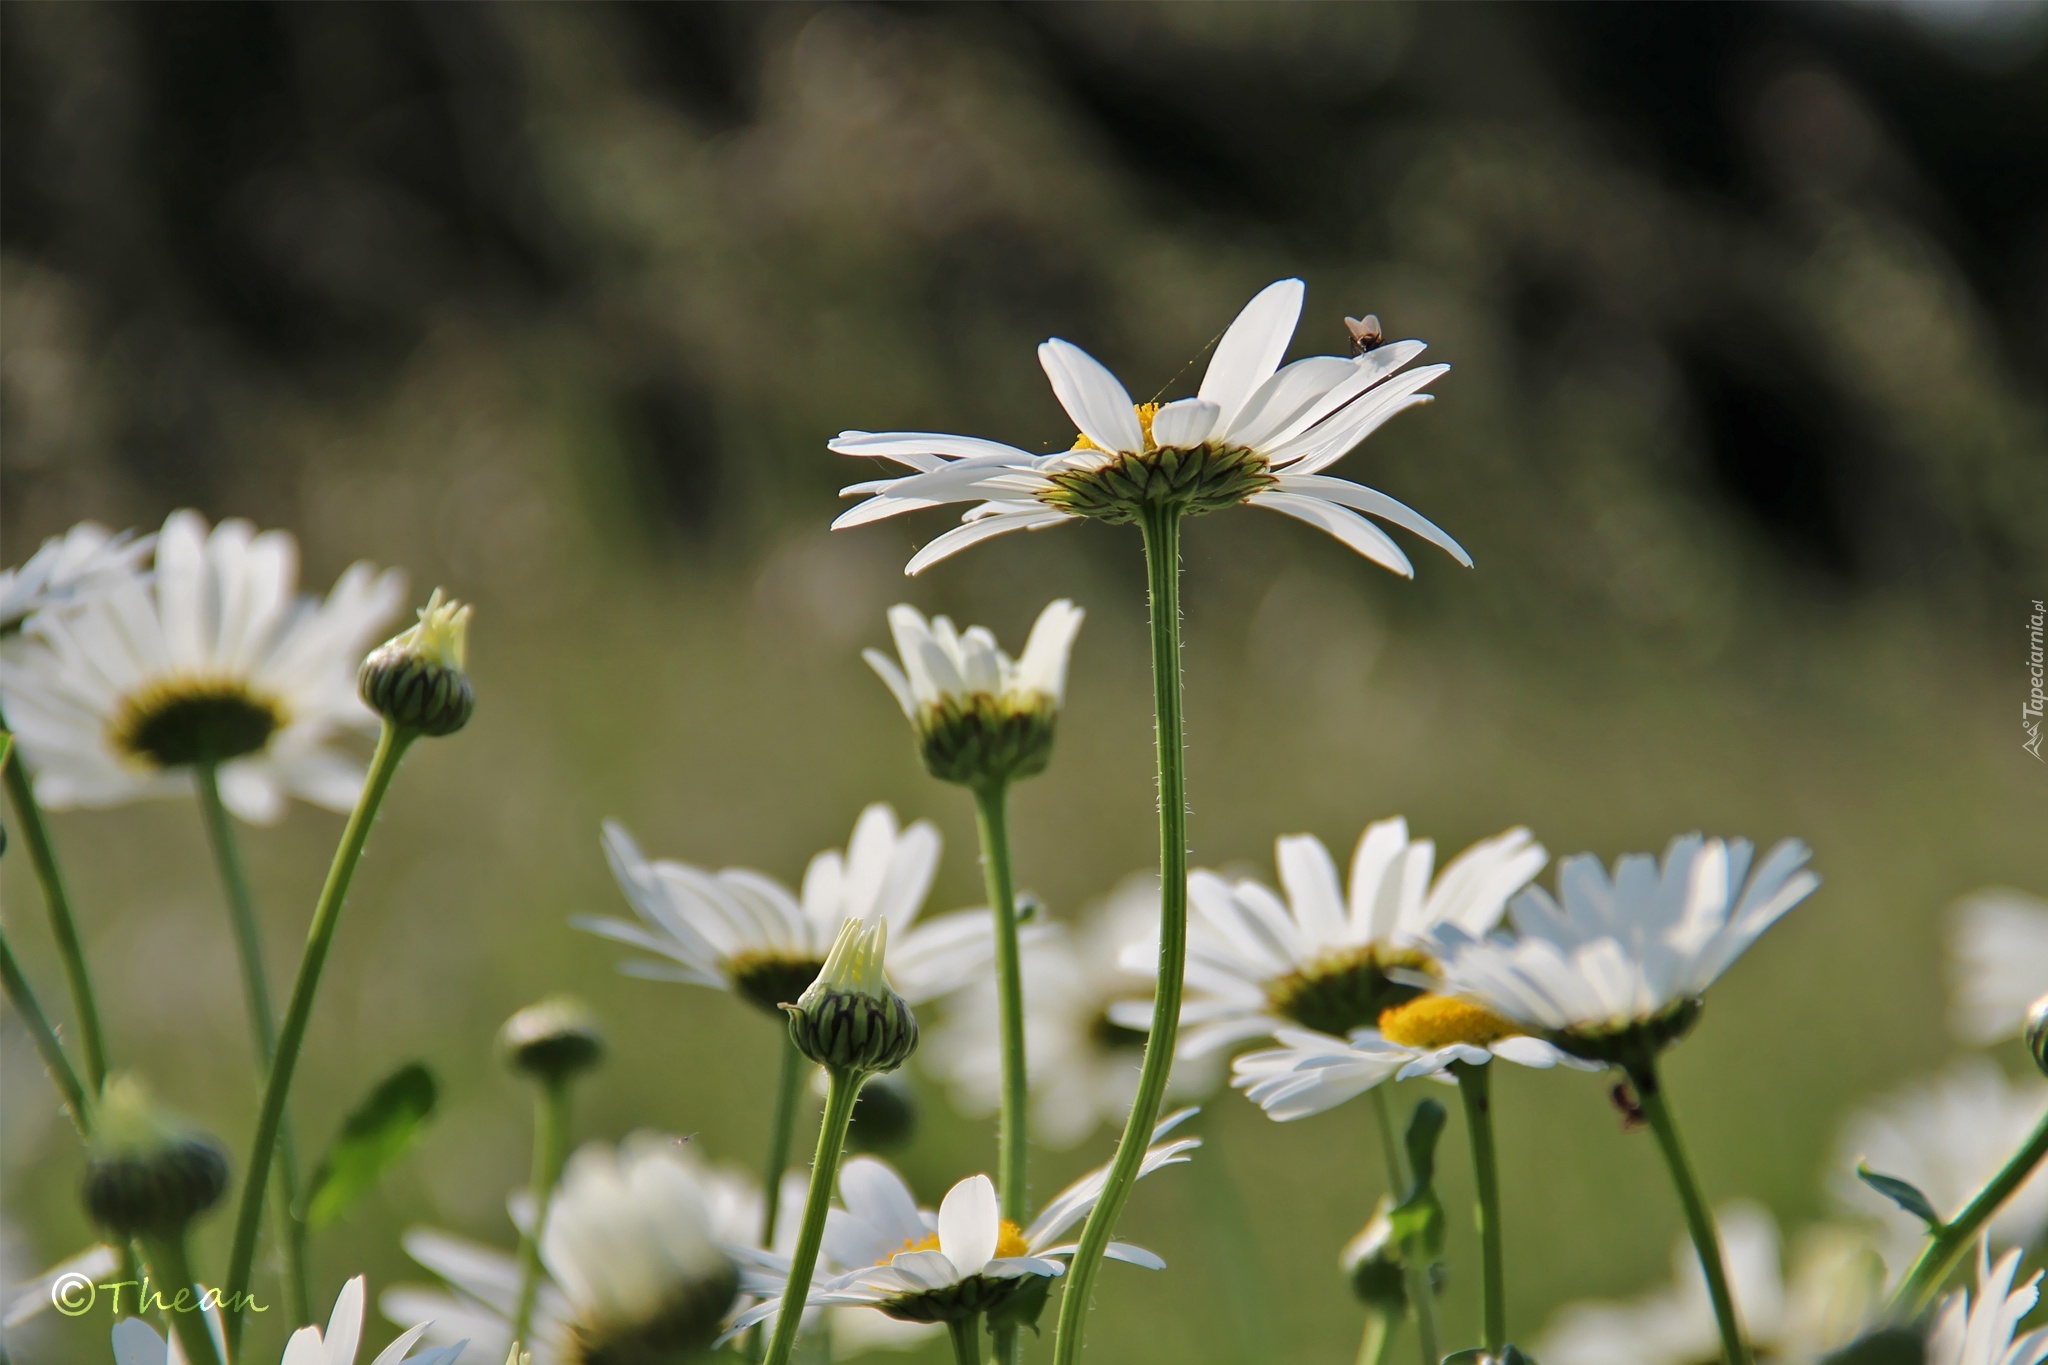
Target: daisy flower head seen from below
x,y
1082,1064
1831,1295
1947,1135
215,659
1612,966
744,932
1983,1331
1255,432
69,568
1998,962
1320,959
979,716
920,1265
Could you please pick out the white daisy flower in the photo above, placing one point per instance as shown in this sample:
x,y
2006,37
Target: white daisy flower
x,y
1082,1066
741,931
217,659
923,1266
979,715
1832,1295
83,561
136,1342
1947,1135
1629,954
1998,955
1311,1072
1257,964
479,1294
1255,432
1981,1333
23,1301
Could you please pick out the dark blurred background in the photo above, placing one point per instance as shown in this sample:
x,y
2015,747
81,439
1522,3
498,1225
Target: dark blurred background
x,y
556,305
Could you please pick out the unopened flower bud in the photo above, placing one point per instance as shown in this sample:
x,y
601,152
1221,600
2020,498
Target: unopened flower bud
x,y
2037,1033
417,679
146,1176
1372,1265
552,1041
849,1019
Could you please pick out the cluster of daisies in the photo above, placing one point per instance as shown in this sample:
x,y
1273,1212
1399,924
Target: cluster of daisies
x,y
188,664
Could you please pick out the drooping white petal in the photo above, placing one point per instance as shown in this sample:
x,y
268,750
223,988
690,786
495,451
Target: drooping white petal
x,y
1354,530
1370,500
973,533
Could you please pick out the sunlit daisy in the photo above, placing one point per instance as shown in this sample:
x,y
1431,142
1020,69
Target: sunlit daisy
x,y
979,715
1319,960
1083,1067
918,1265
1255,432
85,560
1998,947
136,1342
1947,1135
1311,1072
741,931
1622,962
215,659
1981,1332
1832,1294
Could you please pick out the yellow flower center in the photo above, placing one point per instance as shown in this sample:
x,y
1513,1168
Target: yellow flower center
x,y
1433,1021
182,719
1145,414
1009,1242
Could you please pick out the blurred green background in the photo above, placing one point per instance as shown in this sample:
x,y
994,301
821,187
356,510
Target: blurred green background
x,y
556,306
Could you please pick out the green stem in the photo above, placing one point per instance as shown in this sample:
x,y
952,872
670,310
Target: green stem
x,y
1474,1089
1013,1160
843,1089
391,747
63,927
1414,1256
23,997
1376,1347
550,1150
966,1334
1706,1240
788,1090
173,1271
234,877
1161,526
1938,1257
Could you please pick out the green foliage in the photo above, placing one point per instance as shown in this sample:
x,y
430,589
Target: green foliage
x,y
1901,1192
374,1135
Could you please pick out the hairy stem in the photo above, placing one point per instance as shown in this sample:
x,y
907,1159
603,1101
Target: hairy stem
x,y
1699,1220
966,1334
1162,566
841,1092
1474,1089
234,877
391,747
23,997
63,926
179,1293
1414,1256
1013,1160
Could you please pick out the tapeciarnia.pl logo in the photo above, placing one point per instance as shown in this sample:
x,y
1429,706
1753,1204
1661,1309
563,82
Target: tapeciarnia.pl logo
x,y
2030,713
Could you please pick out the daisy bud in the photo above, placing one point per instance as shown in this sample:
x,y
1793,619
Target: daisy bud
x,y
980,716
552,1041
1372,1264
849,1019
2037,1033
417,680
145,1176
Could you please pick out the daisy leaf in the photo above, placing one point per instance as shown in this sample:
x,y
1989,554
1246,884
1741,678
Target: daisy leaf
x,y
374,1135
1901,1192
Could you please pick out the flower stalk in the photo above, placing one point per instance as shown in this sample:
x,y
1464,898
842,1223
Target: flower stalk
x,y
842,1089
551,1110
391,746
992,818
1924,1279
1161,526
234,876
1414,1256
180,1296
1475,1090
22,996
966,1335
1706,1239
63,925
